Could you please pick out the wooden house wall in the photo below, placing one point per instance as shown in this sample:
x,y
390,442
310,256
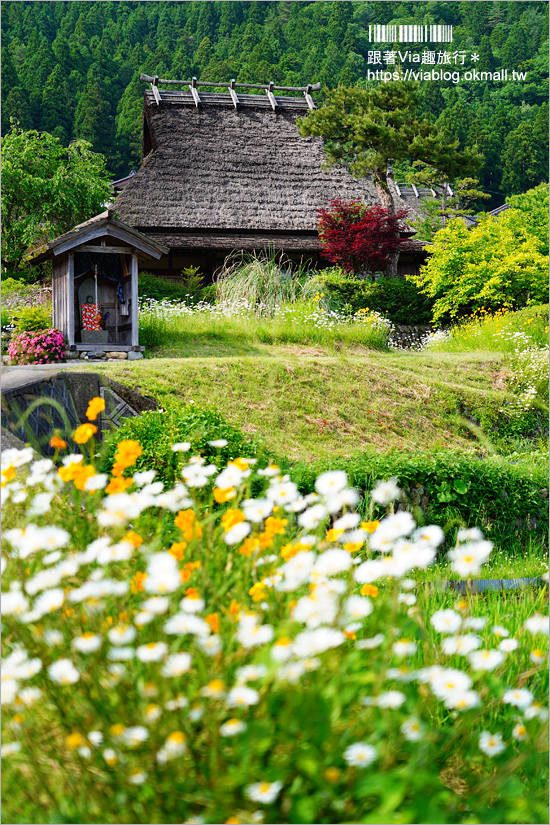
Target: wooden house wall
x,y
60,293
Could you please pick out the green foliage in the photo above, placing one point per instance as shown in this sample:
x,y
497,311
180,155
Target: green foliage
x,y
366,129
46,189
33,318
158,431
264,282
400,301
13,287
498,262
159,289
448,488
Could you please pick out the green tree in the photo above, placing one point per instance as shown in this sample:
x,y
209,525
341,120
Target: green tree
x,y
525,159
499,262
366,129
46,189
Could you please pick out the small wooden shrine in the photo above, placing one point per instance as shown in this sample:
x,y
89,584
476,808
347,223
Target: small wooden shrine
x,y
95,282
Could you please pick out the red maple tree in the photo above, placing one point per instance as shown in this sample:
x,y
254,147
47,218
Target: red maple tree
x,y
357,238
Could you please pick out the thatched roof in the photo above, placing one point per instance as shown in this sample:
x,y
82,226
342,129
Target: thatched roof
x,y
231,171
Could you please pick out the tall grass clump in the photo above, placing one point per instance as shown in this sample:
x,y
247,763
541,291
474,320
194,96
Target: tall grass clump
x,y
229,650
264,282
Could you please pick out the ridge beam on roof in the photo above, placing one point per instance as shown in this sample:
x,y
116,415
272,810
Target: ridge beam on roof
x,y
397,189
194,92
155,90
233,94
449,190
271,96
315,87
415,190
308,97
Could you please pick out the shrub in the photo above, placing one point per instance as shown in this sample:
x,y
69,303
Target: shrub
x,y
448,487
33,318
159,289
158,431
400,301
497,263
181,656
45,346
357,238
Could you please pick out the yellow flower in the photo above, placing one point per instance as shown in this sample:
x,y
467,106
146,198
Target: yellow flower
x,y
333,534
57,443
117,729
249,545
185,520
127,453
332,775
133,538
83,433
8,474
353,546
369,590
240,463
118,485
369,526
95,406
223,495
75,740
136,585
178,549
257,591
232,518
213,621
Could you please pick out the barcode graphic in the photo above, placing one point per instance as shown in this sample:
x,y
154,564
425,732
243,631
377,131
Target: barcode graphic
x,y
411,34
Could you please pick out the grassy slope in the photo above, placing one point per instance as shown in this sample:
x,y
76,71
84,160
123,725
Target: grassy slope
x,y
309,402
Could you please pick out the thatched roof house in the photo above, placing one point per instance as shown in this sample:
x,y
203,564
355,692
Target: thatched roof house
x,y
222,171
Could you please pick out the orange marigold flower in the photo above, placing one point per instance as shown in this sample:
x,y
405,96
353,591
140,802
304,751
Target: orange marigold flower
x,y
128,451
231,518
234,607
136,585
83,433
95,406
213,621
192,565
133,538
85,472
57,443
185,520
185,575
369,590
266,540
349,635
223,495
118,485
249,545
178,549
275,526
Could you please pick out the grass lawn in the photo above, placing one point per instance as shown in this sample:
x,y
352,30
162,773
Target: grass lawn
x,y
314,402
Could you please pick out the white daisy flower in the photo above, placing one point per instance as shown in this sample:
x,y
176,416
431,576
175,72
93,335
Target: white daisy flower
x,y
491,743
360,755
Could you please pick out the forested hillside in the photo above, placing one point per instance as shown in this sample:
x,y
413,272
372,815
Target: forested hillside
x,y
72,68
